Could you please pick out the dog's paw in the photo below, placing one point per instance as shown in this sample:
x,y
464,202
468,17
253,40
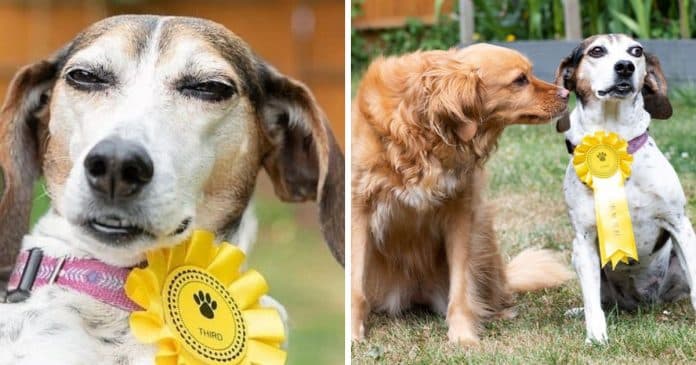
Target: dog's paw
x,y
507,314
597,336
358,333
463,333
463,339
577,312
597,333
600,339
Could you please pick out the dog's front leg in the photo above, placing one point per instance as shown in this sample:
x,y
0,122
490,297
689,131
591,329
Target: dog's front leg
x,y
685,247
587,266
359,306
461,319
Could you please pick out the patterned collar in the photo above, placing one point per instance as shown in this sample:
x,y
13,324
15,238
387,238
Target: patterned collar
x,y
633,145
95,278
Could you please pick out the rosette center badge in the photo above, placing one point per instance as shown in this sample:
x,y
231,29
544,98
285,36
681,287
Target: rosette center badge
x,y
200,309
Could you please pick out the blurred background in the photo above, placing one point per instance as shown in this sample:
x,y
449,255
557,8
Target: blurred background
x,y
545,30
303,39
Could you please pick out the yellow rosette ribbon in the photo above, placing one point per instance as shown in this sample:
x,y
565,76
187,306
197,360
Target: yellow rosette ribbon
x,y
201,309
603,163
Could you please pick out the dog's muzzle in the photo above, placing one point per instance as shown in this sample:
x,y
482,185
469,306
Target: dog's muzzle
x,y
117,170
623,85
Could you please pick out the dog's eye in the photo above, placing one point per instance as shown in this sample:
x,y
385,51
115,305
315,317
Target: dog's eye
x,y
86,80
635,51
208,90
597,52
521,80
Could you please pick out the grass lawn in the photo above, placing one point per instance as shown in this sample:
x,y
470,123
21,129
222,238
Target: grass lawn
x,y
304,277
301,272
525,183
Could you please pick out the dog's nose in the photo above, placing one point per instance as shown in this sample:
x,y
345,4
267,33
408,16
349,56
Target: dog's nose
x,y
118,168
563,93
624,68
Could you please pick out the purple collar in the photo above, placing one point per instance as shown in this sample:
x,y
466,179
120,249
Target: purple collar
x,y
633,145
101,281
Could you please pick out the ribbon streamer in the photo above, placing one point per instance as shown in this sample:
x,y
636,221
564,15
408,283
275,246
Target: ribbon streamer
x,y
603,163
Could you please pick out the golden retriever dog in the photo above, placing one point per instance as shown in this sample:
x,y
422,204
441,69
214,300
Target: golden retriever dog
x,y
422,234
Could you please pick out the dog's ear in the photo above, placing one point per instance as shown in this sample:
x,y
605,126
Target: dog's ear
x,y
453,102
654,91
304,161
566,77
566,72
23,137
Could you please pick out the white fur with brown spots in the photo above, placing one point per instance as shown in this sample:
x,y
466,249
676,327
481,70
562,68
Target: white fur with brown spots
x,y
619,88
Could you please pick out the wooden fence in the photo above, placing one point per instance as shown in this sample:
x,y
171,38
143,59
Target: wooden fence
x,y
379,14
302,38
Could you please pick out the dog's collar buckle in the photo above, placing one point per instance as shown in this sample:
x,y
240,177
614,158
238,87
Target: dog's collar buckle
x,y
31,268
97,279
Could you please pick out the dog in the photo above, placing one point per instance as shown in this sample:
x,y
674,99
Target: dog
x,y
146,127
619,87
422,234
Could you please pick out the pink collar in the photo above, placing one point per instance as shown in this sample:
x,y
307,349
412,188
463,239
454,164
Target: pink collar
x,y
101,281
633,145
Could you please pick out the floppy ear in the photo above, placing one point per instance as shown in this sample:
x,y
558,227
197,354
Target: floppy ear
x,y
565,73
566,77
654,91
304,161
454,102
23,137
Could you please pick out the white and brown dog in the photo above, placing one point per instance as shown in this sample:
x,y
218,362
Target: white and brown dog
x,y
145,127
619,88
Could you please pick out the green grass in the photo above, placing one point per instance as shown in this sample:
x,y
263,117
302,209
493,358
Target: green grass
x,y
301,272
525,176
305,278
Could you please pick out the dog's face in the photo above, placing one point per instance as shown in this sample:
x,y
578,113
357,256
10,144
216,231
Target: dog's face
x,y
614,67
479,89
512,94
136,134
157,125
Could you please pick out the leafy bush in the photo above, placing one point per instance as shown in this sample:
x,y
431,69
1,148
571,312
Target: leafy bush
x,y
510,20
414,35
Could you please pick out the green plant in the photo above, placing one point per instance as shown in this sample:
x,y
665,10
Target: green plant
x,y
684,95
495,20
641,24
414,35
356,8
509,20
534,19
558,18
684,19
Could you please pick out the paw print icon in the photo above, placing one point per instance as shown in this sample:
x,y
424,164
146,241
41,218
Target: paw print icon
x,y
206,305
602,156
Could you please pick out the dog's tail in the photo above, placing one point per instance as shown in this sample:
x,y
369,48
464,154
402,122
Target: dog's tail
x,y
535,269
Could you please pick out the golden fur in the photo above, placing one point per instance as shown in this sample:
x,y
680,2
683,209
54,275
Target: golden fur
x,y
423,125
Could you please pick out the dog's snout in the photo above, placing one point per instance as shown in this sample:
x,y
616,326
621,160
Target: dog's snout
x,y
563,93
117,168
624,68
